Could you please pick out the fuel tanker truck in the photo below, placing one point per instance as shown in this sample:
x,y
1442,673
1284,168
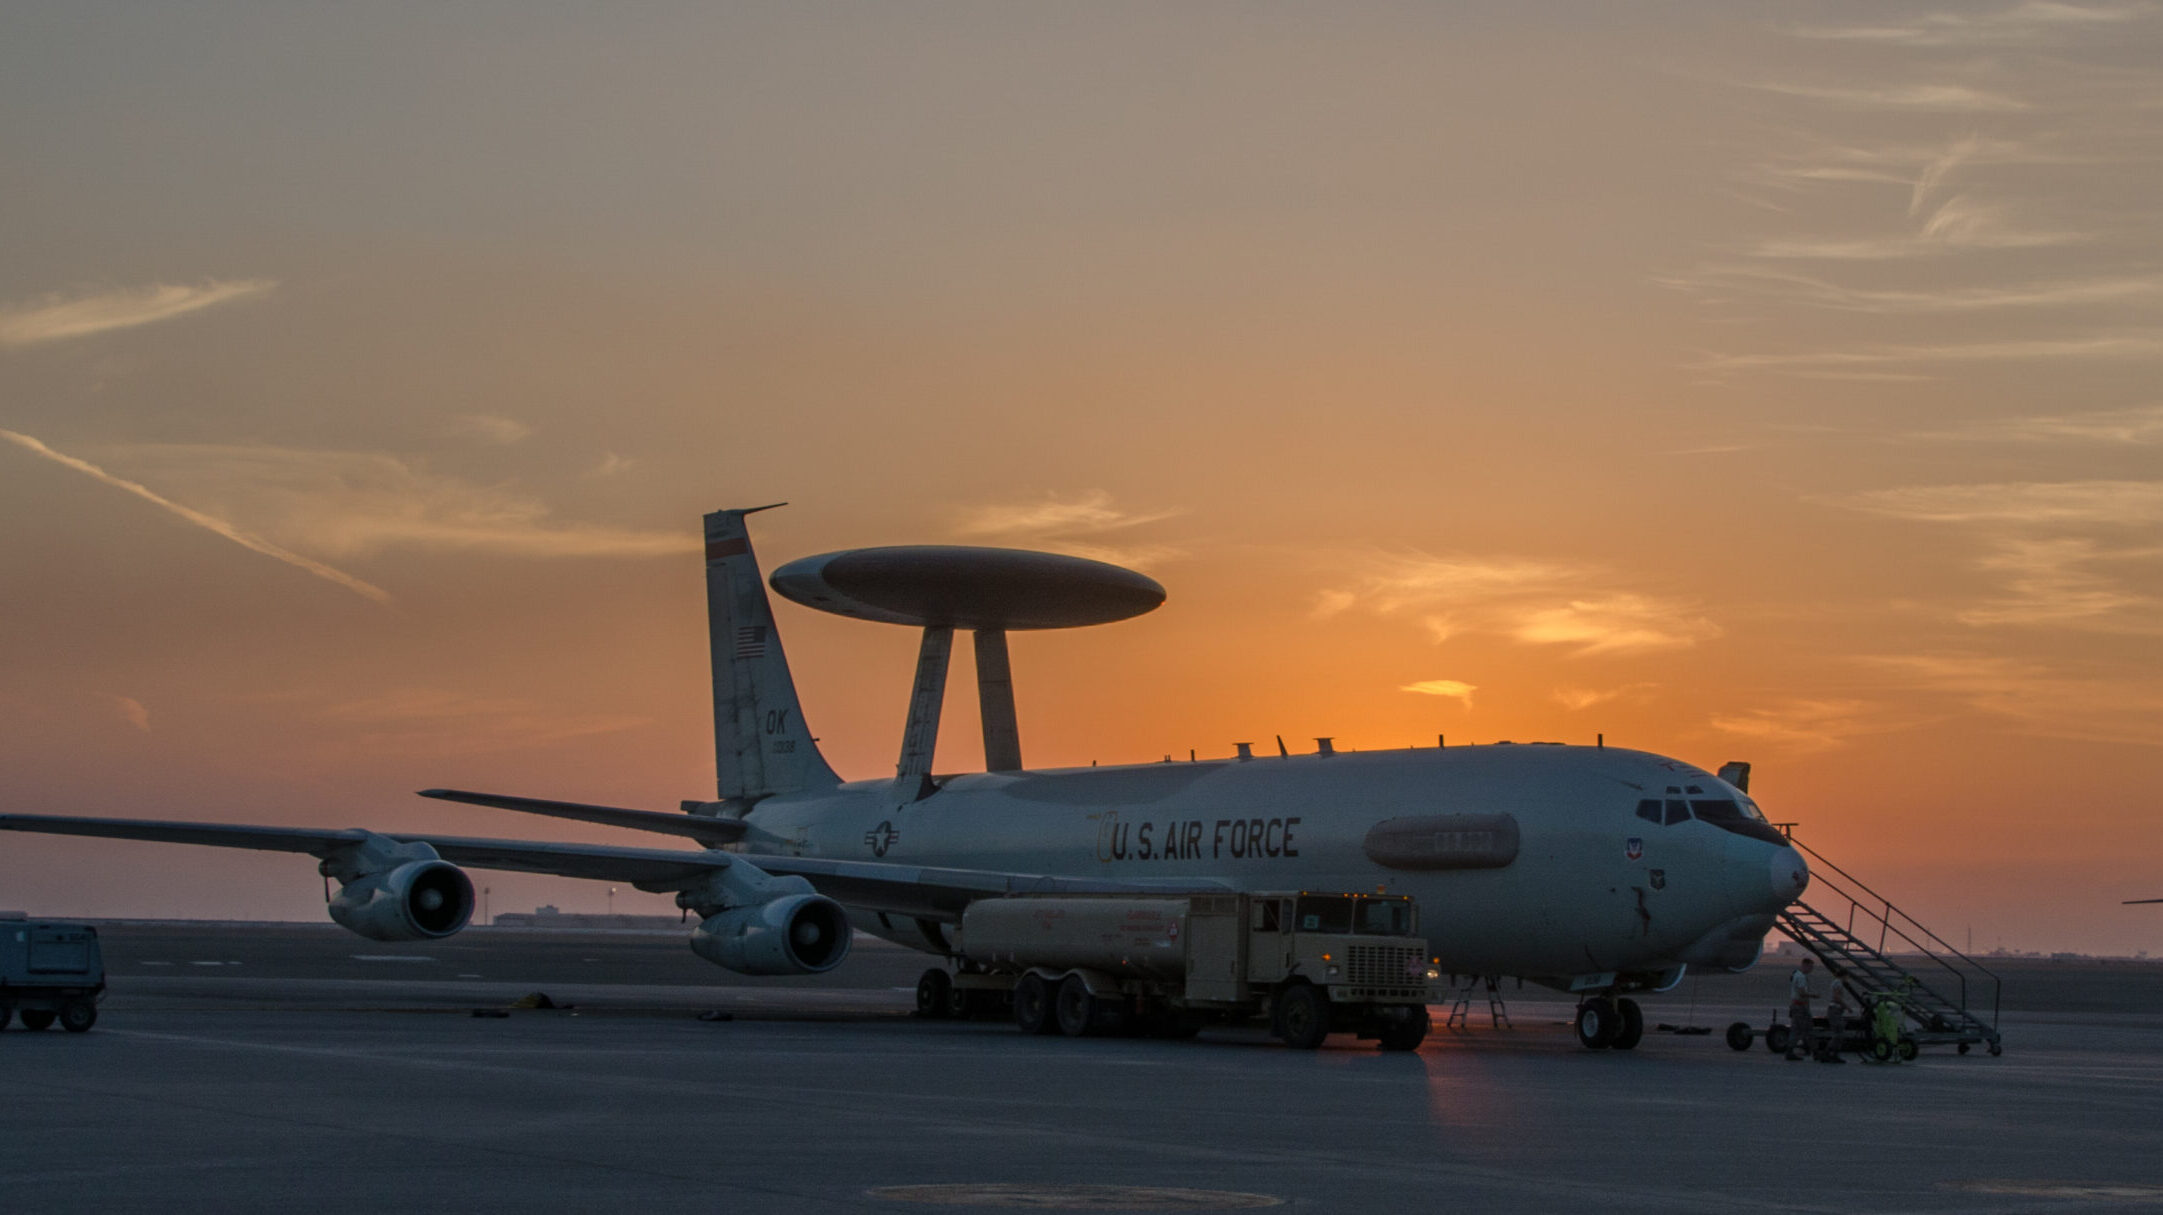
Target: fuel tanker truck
x,y
1315,964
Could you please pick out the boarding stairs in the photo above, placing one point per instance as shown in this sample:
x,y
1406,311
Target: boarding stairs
x,y
1874,947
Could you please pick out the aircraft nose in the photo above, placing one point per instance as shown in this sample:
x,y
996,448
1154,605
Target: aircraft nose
x,y
1790,874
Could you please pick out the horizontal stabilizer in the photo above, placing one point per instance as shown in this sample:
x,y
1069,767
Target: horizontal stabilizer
x,y
704,830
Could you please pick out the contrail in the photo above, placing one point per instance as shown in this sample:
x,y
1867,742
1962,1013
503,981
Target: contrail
x,y
208,522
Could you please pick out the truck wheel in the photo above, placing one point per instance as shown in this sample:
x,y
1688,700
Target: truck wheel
x,y
77,1016
1632,1030
1776,1038
7,1014
1075,1008
1740,1036
933,989
37,1018
1302,1016
1032,1006
1597,1023
1406,1034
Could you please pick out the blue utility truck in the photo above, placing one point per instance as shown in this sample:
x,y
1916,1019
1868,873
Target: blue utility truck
x,y
49,970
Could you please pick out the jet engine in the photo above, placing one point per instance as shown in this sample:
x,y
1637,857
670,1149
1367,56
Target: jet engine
x,y
796,934
419,900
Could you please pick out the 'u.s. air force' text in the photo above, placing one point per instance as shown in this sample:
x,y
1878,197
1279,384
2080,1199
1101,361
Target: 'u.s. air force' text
x,y
1192,839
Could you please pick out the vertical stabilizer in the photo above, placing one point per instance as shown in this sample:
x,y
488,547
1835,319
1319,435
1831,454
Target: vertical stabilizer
x,y
761,745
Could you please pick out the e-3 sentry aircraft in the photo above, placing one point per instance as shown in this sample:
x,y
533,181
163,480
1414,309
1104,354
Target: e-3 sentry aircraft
x,y
1594,870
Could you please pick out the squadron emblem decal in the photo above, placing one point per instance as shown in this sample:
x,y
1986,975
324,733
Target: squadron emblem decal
x,y
882,837
1634,848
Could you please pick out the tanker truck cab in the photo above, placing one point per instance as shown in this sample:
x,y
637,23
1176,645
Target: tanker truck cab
x,y
1313,963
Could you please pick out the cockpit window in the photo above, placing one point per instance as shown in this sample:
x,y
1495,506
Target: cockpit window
x,y
1729,816
1649,810
1678,811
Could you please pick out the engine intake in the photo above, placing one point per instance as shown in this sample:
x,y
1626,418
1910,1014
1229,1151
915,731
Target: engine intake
x,y
417,901
797,934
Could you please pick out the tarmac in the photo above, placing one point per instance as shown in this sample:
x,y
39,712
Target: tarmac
x,y
261,1068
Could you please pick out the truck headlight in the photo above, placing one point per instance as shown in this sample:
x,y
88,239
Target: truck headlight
x,y
1335,971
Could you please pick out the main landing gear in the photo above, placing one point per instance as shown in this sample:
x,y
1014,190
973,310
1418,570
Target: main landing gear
x,y
1610,1023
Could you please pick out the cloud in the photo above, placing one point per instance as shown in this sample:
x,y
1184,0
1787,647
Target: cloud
x,y
2136,345
1531,601
2048,577
2052,582
1613,623
2020,24
1449,688
1935,98
2060,293
357,504
1959,223
429,721
2032,698
488,428
1576,700
132,711
2126,503
2140,426
610,465
1077,526
55,319
1803,725
207,522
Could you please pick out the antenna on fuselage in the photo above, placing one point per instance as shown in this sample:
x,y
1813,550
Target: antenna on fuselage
x,y
989,591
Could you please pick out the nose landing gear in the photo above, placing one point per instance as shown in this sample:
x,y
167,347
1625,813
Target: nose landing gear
x,y
1610,1023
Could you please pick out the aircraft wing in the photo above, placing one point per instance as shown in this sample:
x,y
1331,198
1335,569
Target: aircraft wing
x,y
874,885
663,868
699,827
2130,902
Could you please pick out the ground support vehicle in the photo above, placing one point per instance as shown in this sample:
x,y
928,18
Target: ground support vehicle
x,y
1880,1036
1314,964
50,971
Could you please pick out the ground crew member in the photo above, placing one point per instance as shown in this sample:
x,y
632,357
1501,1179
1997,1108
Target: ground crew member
x,y
1798,1009
1836,1024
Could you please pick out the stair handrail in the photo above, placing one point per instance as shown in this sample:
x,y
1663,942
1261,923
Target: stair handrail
x,y
1886,924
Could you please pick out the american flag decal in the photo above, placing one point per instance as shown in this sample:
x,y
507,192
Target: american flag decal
x,y
751,641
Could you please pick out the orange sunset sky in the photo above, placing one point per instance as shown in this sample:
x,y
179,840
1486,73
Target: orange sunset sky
x,y
1755,382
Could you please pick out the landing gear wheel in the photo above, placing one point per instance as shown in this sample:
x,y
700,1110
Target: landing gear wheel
x,y
36,1018
1962,1048
1908,1050
7,1014
1408,1033
934,993
1032,1006
1740,1036
1598,1021
1996,1049
1776,1038
1075,1008
1302,1016
77,1016
1632,1030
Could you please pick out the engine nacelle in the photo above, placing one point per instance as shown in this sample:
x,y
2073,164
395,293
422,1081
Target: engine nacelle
x,y
796,934
417,901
